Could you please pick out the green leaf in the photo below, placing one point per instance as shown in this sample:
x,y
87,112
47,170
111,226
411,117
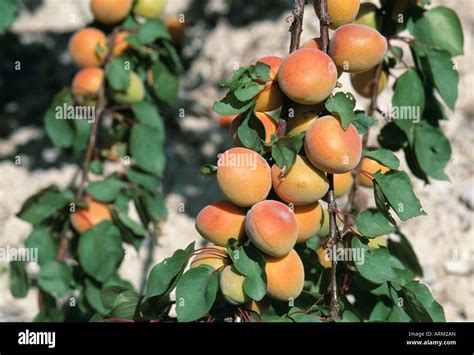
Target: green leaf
x,y
165,83
230,105
196,292
247,134
262,72
420,304
43,205
55,277
81,136
372,223
405,253
96,167
92,294
342,105
8,13
154,205
147,113
440,27
119,301
60,131
100,250
432,150
208,169
105,190
248,91
392,137
147,149
117,74
408,101
286,149
152,30
131,225
380,312
42,240
19,282
363,122
348,317
383,156
301,316
149,182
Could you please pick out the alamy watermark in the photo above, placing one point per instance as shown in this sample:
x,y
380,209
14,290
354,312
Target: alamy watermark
x,y
75,112
391,113
238,160
356,255
9,254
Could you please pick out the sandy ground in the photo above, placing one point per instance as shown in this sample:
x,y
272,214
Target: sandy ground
x,y
443,240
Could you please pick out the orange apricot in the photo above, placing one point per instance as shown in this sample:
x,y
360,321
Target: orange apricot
x,y
225,121
285,276
341,12
88,81
342,184
302,117
271,97
110,11
363,82
370,166
310,219
120,44
87,217
312,43
83,47
323,257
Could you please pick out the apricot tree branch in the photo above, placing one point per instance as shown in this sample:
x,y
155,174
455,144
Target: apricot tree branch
x,y
321,9
296,27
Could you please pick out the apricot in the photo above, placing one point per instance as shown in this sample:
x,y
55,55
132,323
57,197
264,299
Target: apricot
x,y
370,166
324,230
243,176
323,258
87,217
272,227
135,91
225,121
342,184
149,8
232,286
312,43
271,97
268,123
310,219
120,44
341,12
258,307
307,76
285,276
357,48
362,82
377,242
110,11
83,47
330,148
368,15
214,256
221,221
302,118
88,81
301,185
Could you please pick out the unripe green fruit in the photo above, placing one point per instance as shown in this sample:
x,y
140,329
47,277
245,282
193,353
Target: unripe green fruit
x,y
232,286
368,15
134,93
149,8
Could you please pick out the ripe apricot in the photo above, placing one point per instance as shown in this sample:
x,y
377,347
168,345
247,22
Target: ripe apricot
x,y
232,286
88,81
301,185
120,44
221,221
303,116
323,257
362,82
310,219
330,148
134,93
357,48
268,123
83,47
368,15
214,256
110,11
312,43
342,184
307,76
84,218
370,166
225,121
271,97
244,176
258,307
324,231
149,8
285,276
272,227
342,12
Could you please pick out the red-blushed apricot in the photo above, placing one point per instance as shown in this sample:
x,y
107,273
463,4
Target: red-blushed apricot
x,y
357,48
120,44
370,166
84,218
302,117
176,28
312,43
149,8
324,231
301,185
307,76
368,15
83,47
377,242
258,307
342,184
362,82
271,97
135,91
310,219
341,12
88,81
323,257
285,276
221,221
214,256
225,121
268,123
272,227
110,11
232,286
244,176
330,148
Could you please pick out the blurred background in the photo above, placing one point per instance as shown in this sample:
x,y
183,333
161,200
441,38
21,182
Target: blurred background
x,y
219,36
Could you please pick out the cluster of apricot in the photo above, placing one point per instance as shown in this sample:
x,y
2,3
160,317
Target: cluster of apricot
x,y
293,213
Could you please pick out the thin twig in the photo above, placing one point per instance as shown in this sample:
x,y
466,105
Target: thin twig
x,y
321,9
296,27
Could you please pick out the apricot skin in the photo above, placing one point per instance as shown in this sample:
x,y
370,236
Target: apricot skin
x,y
85,218
312,43
357,48
370,166
330,148
213,256
120,44
323,258
307,76
149,8
342,12
368,15
301,185
243,176
134,93
272,227
271,97
285,276
110,11
362,82
268,123
310,219
83,44
342,184
226,121
232,286
324,230
221,221
303,116
88,81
